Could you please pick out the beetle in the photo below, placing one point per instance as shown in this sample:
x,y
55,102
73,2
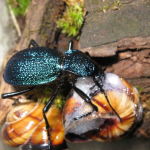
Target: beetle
x,y
40,65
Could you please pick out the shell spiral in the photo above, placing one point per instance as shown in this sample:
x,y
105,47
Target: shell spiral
x,y
25,127
103,125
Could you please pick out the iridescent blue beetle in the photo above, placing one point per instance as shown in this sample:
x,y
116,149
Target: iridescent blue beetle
x,y
39,65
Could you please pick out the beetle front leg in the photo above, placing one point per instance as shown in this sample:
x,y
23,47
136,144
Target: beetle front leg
x,y
46,108
100,85
86,98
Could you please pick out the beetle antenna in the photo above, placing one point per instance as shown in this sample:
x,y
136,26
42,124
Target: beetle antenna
x,y
70,45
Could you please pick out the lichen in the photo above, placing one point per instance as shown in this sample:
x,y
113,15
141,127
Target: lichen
x,y
112,5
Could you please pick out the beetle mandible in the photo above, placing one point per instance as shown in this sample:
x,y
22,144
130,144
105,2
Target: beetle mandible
x,y
39,65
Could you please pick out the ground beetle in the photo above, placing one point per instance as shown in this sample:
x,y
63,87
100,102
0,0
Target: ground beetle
x,y
39,65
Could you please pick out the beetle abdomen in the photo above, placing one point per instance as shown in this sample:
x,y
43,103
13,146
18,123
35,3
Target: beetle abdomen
x,y
33,66
78,63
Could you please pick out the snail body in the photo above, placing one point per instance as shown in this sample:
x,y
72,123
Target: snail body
x,y
25,127
103,125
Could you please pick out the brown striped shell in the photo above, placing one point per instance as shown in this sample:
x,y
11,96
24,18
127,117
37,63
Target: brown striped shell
x,y
103,125
25,127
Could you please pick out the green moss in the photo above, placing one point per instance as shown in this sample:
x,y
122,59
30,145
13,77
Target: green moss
x,y
72,20
117,4
114,5
43,95
141,89
106,7
19,6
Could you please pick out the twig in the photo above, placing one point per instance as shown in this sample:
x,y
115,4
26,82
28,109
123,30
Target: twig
x,y
15,21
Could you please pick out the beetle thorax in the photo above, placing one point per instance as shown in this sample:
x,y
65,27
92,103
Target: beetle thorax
x,y
78,63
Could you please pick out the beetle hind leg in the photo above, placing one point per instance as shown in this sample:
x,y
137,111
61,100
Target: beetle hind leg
x,y
7,95
103,91
45,109
85,115
33,43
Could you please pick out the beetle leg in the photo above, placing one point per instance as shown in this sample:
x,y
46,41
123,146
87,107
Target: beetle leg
x,y
94,93
91,88
87,54
86,98
46,108
103,91
33,43
6,95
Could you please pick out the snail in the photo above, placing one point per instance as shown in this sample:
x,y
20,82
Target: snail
x,y
25,127
102,125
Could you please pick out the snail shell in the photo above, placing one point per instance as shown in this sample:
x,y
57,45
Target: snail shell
x,y
25,126
103,125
